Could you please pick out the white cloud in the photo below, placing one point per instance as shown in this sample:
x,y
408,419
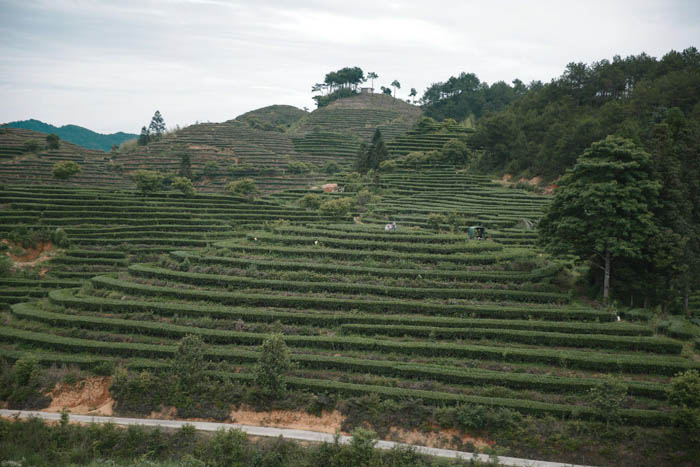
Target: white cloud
x,y
109,64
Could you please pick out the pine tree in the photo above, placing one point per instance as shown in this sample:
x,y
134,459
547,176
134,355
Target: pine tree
x,y
185,166
379,152
369,157
157,127
144,137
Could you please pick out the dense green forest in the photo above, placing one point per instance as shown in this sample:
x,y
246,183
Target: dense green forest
x,y
549,126
75,134
465,96
543,130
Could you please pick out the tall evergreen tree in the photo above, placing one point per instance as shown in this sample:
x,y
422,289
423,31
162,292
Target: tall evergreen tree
x,y
144,137
602,210
156,128
370,156
185,165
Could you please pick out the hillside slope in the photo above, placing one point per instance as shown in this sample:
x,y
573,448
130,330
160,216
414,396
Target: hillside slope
x,y
279,146
75,134
20,164
266,143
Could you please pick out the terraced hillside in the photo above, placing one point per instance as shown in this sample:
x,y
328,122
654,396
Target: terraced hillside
x,y
443,321
261,144
108,228
409,195
18,164
336,131
426,136
411,314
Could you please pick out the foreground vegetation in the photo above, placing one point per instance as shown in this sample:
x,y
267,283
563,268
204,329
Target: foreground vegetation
x,y
34,443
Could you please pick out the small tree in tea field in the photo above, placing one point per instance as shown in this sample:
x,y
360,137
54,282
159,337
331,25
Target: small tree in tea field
x,y
607,398
189,364
273,363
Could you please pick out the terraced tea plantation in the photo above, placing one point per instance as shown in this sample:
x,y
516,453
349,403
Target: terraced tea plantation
x,y
419,313
24,159
107,229
264,144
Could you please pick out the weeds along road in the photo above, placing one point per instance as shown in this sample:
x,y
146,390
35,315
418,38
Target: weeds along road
x,y
299,435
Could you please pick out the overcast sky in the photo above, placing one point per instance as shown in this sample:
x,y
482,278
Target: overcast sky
x,y
108,65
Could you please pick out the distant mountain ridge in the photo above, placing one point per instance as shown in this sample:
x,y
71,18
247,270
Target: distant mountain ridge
x,y
75,134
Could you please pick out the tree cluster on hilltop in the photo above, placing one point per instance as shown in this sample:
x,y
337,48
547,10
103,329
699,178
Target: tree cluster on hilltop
x,y
466,96
344,82
339,84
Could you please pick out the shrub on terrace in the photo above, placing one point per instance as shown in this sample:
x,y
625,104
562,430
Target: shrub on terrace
x,y
59,237
184,185
364,197
607,399
27,237
336,207
299,167
311,201
31,145
331,168
455,151
211,168
148,181
418,158
684,395
185,165
388,166
65,170
5,265
244,187
435,220
189,364
21,385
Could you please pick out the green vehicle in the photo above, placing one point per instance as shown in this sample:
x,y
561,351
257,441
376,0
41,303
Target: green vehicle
x,y
478,232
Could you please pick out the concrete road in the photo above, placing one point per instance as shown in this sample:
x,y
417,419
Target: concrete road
x,y
300,435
